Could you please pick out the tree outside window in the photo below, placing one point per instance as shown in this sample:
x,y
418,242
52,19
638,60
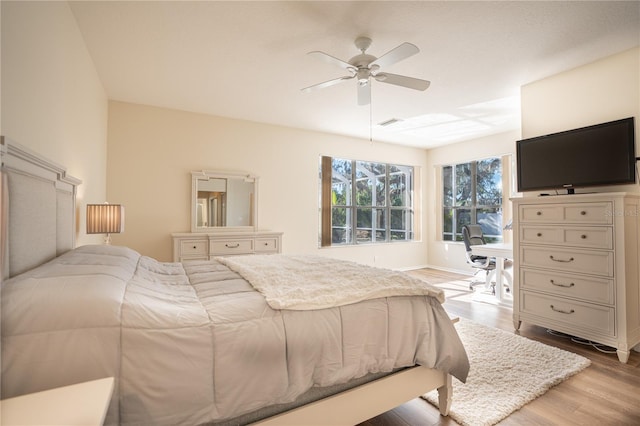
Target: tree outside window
x,y
472,194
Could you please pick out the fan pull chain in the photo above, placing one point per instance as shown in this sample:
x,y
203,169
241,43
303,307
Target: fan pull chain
x,y
371,120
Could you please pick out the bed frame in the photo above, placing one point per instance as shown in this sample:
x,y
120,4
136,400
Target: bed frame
x,y
369,400
42,225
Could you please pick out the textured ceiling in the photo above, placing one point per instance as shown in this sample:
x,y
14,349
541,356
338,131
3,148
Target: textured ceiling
x,y
247,60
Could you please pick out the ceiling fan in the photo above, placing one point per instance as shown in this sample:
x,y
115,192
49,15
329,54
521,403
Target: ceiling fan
x,y
364,67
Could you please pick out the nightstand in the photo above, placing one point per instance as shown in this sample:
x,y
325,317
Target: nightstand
x,y
82,404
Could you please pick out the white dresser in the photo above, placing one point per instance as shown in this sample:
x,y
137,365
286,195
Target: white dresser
x,y
576,266
199,246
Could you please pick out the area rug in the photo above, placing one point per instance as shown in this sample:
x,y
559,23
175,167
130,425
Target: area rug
x,y
507,372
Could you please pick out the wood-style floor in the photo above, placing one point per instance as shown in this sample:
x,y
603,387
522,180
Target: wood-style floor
x,y
606,393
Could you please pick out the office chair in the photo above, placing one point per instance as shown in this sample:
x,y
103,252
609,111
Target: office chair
x,y
472,235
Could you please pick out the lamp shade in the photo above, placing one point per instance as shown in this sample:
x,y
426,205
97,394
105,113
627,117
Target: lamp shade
x,y
105,218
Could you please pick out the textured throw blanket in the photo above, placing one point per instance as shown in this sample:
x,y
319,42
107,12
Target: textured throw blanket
x,y
314,282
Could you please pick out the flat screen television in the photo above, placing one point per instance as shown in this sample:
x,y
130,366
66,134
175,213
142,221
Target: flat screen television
x,y
603,154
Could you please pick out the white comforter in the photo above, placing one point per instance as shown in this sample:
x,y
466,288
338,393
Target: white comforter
x,y
195,343
314,282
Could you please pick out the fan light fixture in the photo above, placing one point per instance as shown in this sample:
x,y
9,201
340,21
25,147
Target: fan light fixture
x,y
363,67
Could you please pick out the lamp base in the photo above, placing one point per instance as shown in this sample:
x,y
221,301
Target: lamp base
x,y
107,239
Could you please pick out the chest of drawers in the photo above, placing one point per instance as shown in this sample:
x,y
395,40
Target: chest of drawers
x,y
576,267
204,246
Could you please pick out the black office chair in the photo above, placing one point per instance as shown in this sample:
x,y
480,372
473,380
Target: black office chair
x,y
472,235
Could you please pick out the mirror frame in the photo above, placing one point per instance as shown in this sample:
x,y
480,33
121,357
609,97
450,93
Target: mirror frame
x,y
215,174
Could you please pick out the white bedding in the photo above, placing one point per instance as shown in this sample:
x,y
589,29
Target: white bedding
x,y
314,282
195,343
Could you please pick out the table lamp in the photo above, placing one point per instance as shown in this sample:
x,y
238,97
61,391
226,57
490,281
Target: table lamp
x,y
105,219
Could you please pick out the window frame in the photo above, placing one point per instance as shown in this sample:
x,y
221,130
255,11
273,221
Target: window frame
x,y
353,208
455,235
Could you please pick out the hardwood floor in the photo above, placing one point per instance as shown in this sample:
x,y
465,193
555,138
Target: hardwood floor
x,y
606,393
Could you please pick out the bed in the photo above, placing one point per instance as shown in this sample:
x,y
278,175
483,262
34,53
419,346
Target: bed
x,y
197,343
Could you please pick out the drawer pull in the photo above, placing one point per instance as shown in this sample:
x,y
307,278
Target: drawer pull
x,y
539,213
583,236
560,260
561,311
539,234
583,213
266,244
562,285
195,247
236,245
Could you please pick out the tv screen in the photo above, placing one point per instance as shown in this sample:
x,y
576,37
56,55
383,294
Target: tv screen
x,y
603,154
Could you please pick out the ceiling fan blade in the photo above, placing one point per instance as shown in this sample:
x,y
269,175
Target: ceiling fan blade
x,y
364,94
396,55
403,80
331,59
327,83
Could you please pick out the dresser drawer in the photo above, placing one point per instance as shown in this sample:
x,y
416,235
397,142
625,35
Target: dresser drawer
x,y
587,213
591,317
267,245
541,213
587,262
191,248
234,246
590,289
592,237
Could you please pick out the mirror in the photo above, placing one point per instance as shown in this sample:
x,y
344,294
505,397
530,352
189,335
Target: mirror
x,y
223,201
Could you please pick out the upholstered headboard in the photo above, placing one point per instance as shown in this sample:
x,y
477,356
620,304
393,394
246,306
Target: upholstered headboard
x,y
40,215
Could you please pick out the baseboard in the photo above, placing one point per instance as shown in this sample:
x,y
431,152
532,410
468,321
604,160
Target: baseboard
x,y
439,268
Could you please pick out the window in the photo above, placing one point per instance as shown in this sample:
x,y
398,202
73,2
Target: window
x,y
365,202
472,194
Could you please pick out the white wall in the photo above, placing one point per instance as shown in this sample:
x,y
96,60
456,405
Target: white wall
x,y
605,90
446,254
52,99
153,150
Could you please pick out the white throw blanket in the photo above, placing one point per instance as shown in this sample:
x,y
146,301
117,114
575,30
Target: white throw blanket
x,y
314,282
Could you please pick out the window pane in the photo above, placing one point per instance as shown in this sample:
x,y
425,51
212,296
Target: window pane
x,y
398,219
490,220
339,236
364,193
447,224
368,175
341,182
340,226
399,196
447,186
341,167
489,182
364,220
341,194
463,217
463,185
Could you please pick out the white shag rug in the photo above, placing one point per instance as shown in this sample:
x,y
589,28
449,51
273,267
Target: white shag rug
x,y
507,372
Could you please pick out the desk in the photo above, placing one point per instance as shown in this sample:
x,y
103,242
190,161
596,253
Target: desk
x,y
500,251
81,404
